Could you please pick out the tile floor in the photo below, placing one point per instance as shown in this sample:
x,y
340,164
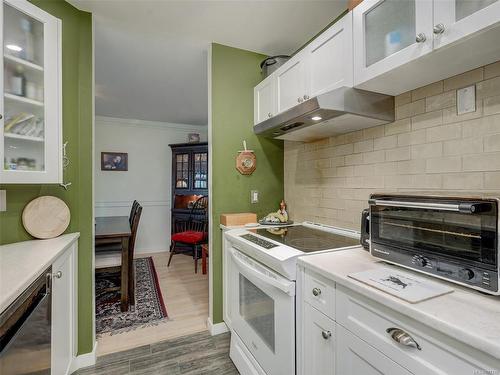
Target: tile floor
x,y
195,354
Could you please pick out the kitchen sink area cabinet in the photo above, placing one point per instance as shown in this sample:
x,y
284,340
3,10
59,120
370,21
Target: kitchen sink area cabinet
x,y
30,106
398,45
264,96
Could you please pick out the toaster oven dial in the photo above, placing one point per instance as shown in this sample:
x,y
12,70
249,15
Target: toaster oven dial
x,y
466,274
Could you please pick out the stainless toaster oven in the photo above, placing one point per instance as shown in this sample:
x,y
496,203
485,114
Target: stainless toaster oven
x,y
453,238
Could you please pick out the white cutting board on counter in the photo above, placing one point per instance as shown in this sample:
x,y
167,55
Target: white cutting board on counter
x,y
404,285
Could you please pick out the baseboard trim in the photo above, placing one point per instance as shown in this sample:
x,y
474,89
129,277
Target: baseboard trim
x,y
84,360
216,329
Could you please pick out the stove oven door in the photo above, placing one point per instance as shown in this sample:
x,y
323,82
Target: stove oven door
x,y
262,305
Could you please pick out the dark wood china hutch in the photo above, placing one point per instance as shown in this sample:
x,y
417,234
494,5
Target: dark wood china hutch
x,y
189,177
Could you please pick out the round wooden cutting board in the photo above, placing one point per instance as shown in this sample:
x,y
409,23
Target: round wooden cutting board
x,y
46,217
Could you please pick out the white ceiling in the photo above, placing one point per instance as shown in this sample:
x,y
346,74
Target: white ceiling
x,y
150,56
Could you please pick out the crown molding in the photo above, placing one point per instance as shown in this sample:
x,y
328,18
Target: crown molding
x,y
105,120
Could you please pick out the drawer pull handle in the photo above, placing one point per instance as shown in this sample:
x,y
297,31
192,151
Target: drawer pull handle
x,y
316,292
403,338
326,334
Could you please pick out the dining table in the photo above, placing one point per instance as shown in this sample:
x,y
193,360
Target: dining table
x,y
112,230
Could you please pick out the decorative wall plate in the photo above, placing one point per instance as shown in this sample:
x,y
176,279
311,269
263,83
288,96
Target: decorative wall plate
x,y
46,217
246,162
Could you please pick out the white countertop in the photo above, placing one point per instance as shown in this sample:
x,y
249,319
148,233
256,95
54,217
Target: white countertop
x,y
477,322
22,262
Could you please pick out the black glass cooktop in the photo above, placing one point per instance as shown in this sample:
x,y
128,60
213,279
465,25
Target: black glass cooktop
x,y
307,239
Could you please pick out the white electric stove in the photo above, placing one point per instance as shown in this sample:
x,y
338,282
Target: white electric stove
x,y
259,290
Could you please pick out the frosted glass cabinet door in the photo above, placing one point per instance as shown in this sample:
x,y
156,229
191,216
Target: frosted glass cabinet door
x,y
389,33
455,19
30,105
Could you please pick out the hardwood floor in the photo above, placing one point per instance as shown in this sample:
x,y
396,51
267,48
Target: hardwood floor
x,y
186,299
194,354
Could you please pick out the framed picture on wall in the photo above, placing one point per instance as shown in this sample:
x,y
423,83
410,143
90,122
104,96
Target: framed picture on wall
x,y
114,161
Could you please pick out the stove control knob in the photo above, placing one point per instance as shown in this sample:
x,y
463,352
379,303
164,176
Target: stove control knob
x,y
466,274
421,261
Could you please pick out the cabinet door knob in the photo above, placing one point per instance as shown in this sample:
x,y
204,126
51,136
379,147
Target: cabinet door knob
x,y
57,275
269,115
402,337
420,38
326,334
306,97
1,117
438,29
316,292
300,100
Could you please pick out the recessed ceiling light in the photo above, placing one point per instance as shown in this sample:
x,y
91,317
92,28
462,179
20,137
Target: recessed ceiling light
x,y
316,118
14,47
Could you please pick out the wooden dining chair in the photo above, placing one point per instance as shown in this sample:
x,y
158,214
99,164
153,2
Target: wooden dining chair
x,y
191,233
116,245
111,260
132,212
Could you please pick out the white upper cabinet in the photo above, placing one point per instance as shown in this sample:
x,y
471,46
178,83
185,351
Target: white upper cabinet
x,y
291,83
264,96
324,64
397,44
30,105
388,34
329,58
455,19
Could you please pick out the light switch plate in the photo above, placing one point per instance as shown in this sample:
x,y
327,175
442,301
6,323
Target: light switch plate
x,y
3,200
254,196
466,100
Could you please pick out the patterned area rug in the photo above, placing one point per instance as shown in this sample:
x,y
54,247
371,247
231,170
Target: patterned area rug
x,y
149,307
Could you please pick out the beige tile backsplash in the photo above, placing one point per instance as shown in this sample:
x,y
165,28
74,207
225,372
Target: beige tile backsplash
x,y
428,147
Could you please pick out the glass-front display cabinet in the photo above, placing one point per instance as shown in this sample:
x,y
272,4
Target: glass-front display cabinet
x,y
30,106
189,177
456,19
390,33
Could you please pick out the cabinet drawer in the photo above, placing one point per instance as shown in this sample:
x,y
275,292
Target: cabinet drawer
x,y
371,321
357,357
320,293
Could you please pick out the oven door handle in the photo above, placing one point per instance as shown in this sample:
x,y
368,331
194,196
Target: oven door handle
x,y
284,285
463,207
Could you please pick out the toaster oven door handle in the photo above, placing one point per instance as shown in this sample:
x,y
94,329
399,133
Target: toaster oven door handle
x,y
463,207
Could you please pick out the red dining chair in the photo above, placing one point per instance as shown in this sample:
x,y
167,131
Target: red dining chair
x,y
190,234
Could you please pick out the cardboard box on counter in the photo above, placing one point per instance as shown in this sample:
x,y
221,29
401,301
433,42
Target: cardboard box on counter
x,y
238,219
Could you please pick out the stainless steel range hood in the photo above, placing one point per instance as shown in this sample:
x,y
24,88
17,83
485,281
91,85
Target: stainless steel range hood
x,y
341,110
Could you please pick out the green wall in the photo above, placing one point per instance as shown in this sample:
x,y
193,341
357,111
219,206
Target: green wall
x,y
235,72
77,78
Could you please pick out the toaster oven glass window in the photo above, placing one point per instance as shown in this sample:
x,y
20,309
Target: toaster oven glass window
x,y
461,235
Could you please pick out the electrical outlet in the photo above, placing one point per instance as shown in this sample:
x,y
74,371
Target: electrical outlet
x,y
466,100
254,196
3,200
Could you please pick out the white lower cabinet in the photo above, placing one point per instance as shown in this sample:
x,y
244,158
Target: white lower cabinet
x,y
370,338
63,311
319,343
357,357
